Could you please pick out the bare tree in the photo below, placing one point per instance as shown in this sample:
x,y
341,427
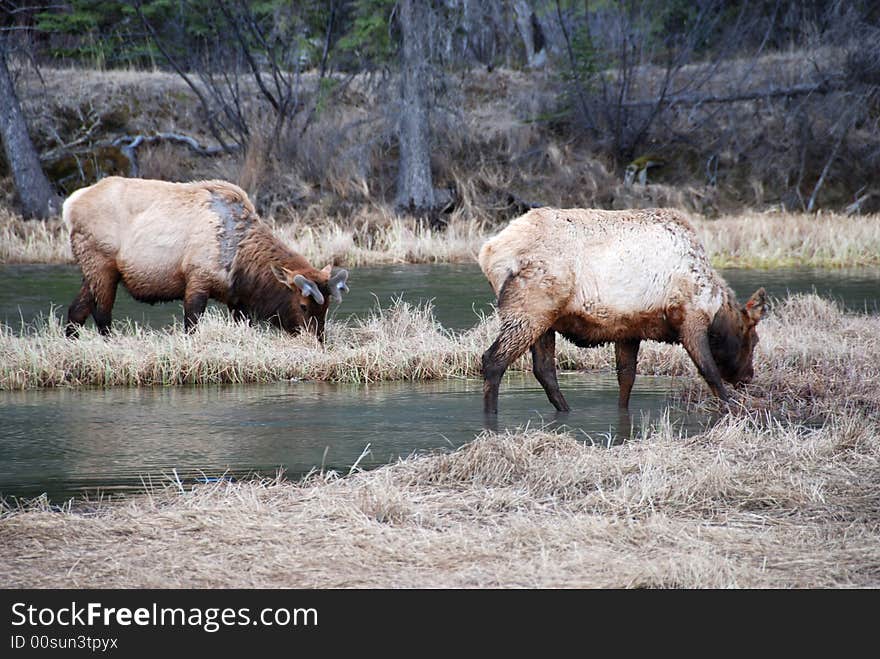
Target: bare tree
x,y
36,194
240,45
415,188
530,31
613,61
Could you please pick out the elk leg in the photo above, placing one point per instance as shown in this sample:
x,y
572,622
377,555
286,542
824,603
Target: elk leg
x,y
520,329
79,310
195,302
626,354
104,292
517,334
544,368
695,339
100,276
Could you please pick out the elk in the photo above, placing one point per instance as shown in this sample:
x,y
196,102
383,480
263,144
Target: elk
x,y
619,277
191,241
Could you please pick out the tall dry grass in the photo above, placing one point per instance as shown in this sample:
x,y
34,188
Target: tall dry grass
x,y
399,343
772,240
752,503
377,235
33,241
812,360
381,237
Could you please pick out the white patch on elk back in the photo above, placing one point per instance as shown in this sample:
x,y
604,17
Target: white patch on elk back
x,y
608,262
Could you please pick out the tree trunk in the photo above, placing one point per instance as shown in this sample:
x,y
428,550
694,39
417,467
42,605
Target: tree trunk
x,y
530,32
415,188
36,195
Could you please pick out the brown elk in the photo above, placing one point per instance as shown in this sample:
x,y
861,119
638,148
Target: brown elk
x,y
191,241
612,276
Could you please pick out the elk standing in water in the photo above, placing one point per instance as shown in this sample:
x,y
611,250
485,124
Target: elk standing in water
x,y
612,276
189,241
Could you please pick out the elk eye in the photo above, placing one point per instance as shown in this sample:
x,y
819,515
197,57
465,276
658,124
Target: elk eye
x,y
303,307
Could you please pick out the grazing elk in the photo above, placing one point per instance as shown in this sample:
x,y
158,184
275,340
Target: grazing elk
x,y
612,276
190,241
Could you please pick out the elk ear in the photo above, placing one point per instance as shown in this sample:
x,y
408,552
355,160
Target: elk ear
x,y
282,274
308,287
327,269
337,284
757,306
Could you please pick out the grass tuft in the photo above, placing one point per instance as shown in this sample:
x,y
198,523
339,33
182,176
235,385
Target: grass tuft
x,y
748,504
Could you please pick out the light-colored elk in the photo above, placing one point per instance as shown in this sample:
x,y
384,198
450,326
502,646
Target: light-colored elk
x,y
190,241
599,276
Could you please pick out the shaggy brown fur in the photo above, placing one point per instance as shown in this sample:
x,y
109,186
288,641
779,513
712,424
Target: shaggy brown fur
x,y
612,276
190,241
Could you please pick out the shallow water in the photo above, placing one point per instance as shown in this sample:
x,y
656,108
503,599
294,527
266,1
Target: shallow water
x,y
67,443
459,293
855,289
71,442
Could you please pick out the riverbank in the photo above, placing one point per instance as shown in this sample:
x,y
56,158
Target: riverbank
x,y
808,347
780,493
748,240
752,503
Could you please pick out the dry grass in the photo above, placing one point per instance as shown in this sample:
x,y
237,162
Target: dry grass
x,y
773,240
222,351
381,237
33,241
813,360
750,503
781,493
376,235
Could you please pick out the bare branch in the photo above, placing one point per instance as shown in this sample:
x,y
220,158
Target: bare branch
x,y
572,62
129,145
846,125
249,57
212,123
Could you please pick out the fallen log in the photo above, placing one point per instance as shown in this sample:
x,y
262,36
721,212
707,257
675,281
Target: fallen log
x,y
129,145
